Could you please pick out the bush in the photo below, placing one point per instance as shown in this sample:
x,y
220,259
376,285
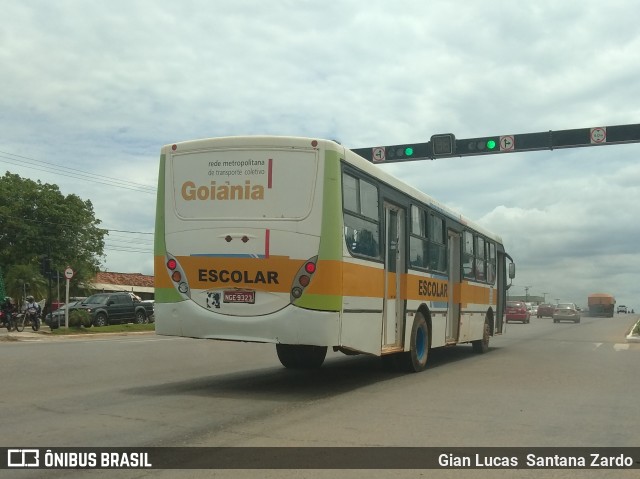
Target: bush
x,y
79,318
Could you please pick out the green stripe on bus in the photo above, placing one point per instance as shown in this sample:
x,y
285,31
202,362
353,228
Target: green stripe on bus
x,y
159,245
167,295
321,302
331,239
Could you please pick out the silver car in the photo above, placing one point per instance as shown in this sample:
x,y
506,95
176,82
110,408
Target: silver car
x,y
566,312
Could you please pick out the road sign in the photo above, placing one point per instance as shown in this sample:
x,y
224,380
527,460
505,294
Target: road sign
x,y
378,155
68,272
599,135
507,143
444,144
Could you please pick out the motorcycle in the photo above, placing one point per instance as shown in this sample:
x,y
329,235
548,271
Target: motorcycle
x,y
32,315
6,320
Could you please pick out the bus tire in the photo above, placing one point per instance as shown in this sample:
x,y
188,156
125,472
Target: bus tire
x,y
301,356
415,360
481,346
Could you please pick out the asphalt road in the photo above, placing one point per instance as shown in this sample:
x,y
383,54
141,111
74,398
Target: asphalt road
x,y
541,384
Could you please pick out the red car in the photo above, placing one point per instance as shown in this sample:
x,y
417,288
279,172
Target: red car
x,y
546,310
517,311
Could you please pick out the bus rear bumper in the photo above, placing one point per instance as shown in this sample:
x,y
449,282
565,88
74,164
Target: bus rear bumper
x,y
291,325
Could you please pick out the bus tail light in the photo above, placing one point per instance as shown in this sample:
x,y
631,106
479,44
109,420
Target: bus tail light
x,y
303,278
178,278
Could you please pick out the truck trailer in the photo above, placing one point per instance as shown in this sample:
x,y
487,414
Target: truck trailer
x,y
601,304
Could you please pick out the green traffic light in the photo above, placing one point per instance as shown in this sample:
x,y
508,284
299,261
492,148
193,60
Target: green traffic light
x,y
408,151
491,144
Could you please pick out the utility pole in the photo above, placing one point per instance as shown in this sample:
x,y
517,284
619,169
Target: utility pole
x,y
526,293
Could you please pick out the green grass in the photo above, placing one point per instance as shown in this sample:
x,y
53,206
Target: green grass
x,y
115,328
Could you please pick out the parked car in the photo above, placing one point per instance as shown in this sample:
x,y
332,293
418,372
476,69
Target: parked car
x,y
517,311
121,307
622,309
545,310
56,319
566,312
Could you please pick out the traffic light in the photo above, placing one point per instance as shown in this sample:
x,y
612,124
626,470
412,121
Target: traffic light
x,y
444,144
401,152
406,152
482,145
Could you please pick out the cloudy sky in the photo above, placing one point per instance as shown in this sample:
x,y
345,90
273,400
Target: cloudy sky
x,y
91,90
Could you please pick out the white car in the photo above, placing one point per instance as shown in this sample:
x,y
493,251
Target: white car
x,y
622,309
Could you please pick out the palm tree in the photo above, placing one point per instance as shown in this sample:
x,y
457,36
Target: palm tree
x,y
23,280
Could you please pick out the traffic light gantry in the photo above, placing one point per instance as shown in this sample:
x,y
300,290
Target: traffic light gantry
x,y
447,146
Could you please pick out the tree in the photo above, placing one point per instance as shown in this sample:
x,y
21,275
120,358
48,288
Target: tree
x,y
24,280
3,292
38,221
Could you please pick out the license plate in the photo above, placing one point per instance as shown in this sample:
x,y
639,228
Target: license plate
x,y
248,297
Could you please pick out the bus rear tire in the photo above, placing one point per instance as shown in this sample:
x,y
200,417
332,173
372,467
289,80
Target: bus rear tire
x,y
415,360
481,346
301,356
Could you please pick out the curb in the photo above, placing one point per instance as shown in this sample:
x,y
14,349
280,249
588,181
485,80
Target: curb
x,y
47,336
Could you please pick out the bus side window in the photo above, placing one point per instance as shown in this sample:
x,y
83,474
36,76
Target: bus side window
x,y
437,245
491,265
361,237
467,255
418,245
481,274
361,221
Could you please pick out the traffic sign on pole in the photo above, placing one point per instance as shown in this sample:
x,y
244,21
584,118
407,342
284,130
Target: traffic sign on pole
x,y
68,273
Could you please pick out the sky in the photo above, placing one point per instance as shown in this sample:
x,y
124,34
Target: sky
x,y
92,90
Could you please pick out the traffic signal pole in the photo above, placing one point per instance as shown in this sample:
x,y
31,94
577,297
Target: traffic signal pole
x,y
447,146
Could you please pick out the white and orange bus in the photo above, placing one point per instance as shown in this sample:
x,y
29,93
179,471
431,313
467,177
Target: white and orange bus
x,y
302,243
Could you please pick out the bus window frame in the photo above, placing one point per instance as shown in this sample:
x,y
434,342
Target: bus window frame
x,y
427,215
358,215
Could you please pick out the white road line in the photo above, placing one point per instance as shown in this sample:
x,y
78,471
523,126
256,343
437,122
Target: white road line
x,y
620,346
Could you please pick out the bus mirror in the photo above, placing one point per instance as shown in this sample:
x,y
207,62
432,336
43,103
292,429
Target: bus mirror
x,y
512,270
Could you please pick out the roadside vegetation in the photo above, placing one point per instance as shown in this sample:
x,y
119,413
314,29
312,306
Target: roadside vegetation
x,y
115,328
42,231
80,323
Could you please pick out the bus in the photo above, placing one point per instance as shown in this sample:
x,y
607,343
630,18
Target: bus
x,y
302,243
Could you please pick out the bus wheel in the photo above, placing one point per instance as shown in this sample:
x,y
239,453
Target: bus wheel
x,y
481,346
415,360
299,356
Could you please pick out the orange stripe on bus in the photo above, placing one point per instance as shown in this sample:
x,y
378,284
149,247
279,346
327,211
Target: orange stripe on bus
x,y
338,278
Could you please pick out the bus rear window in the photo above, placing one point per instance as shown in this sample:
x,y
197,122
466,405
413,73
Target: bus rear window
x,y
234,183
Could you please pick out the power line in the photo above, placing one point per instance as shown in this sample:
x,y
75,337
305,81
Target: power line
x,y
73,173
53,223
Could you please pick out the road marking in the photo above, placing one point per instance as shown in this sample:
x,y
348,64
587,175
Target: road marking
x,y
620,346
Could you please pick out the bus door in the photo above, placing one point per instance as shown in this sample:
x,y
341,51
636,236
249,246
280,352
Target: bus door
x,y
394,304
453,313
